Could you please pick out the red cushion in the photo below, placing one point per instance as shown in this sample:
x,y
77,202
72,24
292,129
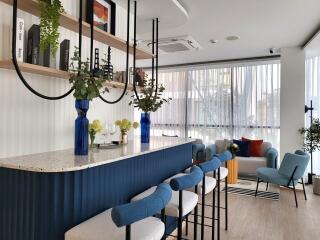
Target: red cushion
x,y
254,147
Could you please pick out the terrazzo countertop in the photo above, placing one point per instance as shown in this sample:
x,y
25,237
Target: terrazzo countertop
x,y
65,160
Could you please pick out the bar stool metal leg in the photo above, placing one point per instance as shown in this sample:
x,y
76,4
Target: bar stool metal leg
x,y
180,216
218,207
226,201
203,205
213,210
187,224
195,226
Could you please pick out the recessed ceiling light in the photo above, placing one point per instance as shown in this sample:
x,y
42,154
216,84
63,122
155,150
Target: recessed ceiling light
x,y
232,38
213,41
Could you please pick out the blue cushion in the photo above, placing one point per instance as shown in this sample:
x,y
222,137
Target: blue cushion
x,y
243,148
132,212
225,156
272,175
187,181
211,165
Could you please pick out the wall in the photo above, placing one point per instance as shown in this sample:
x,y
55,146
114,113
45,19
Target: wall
x,y
29,124
292,99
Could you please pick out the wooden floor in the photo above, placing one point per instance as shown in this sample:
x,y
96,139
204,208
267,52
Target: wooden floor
x,y
260,219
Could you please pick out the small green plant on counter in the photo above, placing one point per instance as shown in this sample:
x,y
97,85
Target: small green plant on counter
x,y
85,85
125,125
50,11
147,101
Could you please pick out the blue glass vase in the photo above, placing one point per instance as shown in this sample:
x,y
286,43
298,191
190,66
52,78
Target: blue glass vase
x,y
145,123
81,141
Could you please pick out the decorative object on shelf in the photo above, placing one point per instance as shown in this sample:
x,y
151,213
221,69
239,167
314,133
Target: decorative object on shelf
x,y
64,55
97,72
20,39
94,128
139,76
233,148
107,67
125,126
50,11
81,128
312,141
33,52
316,184
119,76
104,13
145,123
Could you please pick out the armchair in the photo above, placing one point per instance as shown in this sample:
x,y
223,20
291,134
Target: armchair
x,y
291,170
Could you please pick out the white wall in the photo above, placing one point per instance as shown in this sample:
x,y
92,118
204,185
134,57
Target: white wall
x,y
292,99
29,124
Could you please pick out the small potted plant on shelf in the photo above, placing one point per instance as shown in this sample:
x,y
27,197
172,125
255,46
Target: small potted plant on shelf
x,y
94,128
125,126
233,148
50,11
86,87
148,101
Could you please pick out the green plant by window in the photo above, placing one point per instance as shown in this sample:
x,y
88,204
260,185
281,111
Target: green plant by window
x,y
50,11
148,102
312,136
85,85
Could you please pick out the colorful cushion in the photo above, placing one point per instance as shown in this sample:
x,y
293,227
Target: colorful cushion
x,y
243,148
255,149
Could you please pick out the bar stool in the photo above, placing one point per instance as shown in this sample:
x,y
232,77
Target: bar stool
x,y
128,221
182,202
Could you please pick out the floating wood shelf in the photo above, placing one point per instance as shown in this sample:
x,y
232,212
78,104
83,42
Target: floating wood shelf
x,y
70,22
51,72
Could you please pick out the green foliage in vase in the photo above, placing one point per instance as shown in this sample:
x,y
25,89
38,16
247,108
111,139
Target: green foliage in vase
x,y
149,101
85,85
50,11
312,136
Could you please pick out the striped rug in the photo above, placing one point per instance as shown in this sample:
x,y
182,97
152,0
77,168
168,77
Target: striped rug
x,y
249,192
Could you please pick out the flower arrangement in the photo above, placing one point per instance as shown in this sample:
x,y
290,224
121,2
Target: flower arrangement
x,y
94,128
125,126
233,148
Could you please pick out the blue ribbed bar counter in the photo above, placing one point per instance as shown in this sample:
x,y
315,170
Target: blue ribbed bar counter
x,y
44,195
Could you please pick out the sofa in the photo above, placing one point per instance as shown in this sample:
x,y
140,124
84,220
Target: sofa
x,y
247,165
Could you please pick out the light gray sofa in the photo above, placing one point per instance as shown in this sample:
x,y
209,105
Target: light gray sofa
x,y
247,165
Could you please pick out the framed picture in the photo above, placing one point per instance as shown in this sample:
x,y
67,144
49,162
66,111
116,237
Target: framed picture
x,y
104,14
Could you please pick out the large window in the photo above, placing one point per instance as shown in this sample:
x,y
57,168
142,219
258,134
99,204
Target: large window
x,y
218,102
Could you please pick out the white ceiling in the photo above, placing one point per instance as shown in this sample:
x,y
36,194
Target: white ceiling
x,y
261,24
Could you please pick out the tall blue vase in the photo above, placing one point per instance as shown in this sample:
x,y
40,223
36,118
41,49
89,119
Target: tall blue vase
x,y
145,123
81,141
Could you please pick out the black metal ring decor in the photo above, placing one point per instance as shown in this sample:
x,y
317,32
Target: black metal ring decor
x,y
127,63
15,62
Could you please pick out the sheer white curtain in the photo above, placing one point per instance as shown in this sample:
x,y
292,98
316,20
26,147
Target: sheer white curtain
x,y
171,118
256,102
313,93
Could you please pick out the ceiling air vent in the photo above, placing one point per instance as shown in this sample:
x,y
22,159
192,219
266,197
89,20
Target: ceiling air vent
x,y
175,44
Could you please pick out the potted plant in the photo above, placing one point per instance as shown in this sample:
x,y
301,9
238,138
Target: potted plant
x,y
50,11
312,140
148,102
125,126
94,128
233,148
86,87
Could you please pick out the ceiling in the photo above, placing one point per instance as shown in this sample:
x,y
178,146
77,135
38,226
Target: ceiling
x,y
260,24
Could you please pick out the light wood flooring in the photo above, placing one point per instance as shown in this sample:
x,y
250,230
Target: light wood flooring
x,y
261,219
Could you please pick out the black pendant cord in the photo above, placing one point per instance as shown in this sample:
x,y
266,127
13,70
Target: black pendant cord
x,y
127,63
91,38
15,62
157,55
80,36
135,51
152,70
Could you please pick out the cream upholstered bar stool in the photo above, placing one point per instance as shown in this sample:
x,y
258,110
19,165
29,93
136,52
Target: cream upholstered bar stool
x,y
182,202
131,221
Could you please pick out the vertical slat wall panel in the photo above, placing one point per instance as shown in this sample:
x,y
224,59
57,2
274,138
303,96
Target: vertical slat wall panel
x,y
29,124
38,206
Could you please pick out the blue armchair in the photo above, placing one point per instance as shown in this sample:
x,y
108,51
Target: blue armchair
x,y
291,170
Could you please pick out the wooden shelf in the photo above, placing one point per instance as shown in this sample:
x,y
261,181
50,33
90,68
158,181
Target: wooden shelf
x,y
70,22
51,72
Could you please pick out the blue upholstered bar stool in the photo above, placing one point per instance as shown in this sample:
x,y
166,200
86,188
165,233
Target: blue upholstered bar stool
x,y
182,202
128,221
206,167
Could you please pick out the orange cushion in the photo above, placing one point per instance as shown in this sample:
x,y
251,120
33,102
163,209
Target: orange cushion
x,y
254,147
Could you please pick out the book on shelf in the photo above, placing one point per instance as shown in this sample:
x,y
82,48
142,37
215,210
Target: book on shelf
x,y
64,55
33,48
19,39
